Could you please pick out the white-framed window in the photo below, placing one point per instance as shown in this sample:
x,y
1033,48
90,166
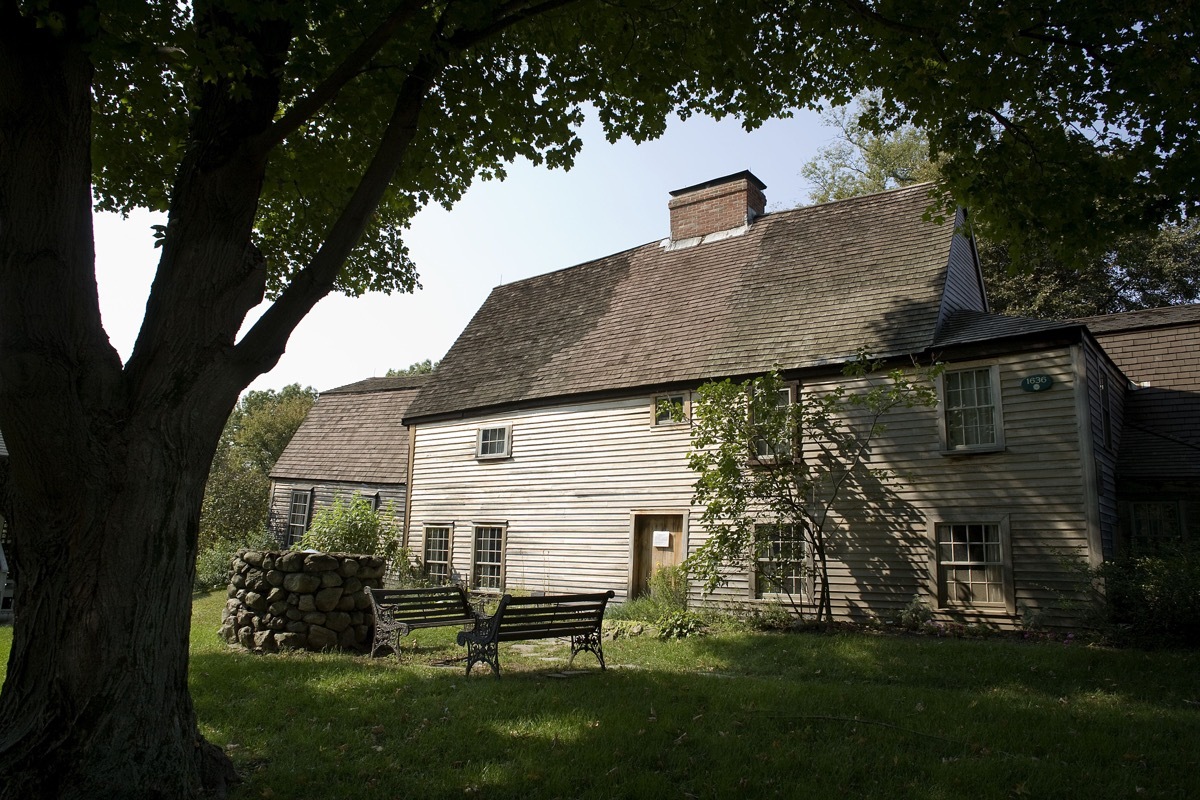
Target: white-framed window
x,y
299,513
971,414
767,449
437,553
669,409
973,564
1154,523
780,565
494,442
487,558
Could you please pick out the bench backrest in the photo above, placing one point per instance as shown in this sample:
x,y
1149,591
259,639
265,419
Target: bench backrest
x,y
549,616
423,603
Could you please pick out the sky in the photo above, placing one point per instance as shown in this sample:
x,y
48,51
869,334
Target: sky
x,y
537,220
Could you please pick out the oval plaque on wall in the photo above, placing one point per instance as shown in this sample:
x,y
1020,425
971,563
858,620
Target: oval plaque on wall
x,y
1037,383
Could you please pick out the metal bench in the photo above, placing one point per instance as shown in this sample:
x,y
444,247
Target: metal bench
x,y
398,612
577,616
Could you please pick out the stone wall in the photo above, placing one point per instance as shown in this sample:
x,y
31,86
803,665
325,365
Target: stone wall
x,y
300,601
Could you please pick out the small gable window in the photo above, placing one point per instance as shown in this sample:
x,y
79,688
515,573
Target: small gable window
x,y
670,409
494,442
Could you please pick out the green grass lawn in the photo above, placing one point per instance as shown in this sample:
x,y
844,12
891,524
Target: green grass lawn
x,y
728,715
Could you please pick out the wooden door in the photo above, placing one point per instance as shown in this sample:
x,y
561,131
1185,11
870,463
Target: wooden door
x,y
650,555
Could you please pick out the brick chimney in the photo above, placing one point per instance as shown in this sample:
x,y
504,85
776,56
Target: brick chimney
x,y
722,204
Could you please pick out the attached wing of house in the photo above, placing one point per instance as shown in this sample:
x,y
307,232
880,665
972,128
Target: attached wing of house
x,y
351,442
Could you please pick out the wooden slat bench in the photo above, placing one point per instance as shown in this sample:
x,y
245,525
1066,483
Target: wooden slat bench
x,y
577,616
401,611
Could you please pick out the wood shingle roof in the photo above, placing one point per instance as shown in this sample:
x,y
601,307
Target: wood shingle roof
x,y
799,288
354,434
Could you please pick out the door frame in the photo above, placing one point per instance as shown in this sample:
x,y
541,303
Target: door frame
x,y
631,577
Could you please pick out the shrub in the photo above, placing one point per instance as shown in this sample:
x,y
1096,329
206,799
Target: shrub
x,y
680,625
667,595
213,563
914,616
352,526
1154,599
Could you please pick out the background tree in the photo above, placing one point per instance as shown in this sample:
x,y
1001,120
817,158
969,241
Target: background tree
x,y
237,494
774,476
292,142
1131,272
416,368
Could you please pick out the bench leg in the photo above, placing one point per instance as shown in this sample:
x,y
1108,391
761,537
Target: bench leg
x,y
388,638
487,652
589,642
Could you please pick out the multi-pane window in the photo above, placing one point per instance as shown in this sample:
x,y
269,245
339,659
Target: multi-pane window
x,y
779,560
489,557
970,565
970,407
774,442
437,553
668,409
1154,524
298,512
493,442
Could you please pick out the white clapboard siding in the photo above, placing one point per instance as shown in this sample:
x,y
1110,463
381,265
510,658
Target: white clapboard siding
x,y
579,472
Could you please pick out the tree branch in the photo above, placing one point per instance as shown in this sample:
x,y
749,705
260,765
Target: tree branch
x,y
262,345
305,107
520,12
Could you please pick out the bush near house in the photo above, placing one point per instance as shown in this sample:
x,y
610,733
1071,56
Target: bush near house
x,y
353,526
1154,598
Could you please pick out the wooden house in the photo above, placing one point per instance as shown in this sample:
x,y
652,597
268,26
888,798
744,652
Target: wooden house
x,y
1158,472
540,459
351,442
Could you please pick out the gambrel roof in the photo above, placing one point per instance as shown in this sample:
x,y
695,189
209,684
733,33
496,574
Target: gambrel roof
x,y
793,289
354,434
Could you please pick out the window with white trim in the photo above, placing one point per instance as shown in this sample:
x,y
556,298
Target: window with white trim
x,y
494,442
670,409
1153,524
768,448
299,511
437,553
779,564
971,565
971,418
487,568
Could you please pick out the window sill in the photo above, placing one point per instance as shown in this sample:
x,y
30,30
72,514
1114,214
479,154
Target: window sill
x,y
503,457
973,451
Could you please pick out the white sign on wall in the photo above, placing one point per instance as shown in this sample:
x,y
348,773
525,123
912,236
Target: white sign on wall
x,y
662,539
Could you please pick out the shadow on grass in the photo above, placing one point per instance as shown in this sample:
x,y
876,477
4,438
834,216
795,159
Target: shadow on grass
x,y
738,715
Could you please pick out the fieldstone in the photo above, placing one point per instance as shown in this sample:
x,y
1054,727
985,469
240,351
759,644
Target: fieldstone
x,y
320,638
227,632
320,562
346,603
265,641
307,603
346,639
240,594
356,618
278,609
277,623
275,577
327,599
301,583
330,579
232,604
349,568
246,638
254,577
277,595
256,602
252,557
315,618
337,621
361,632
352,586
238,580
268,563
243,618
231,592
371,569
291,641
297,627
361,601
294,614
291,562
293,599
